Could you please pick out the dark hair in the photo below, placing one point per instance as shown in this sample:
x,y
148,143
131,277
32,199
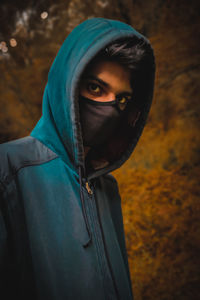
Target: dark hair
x,y
133,52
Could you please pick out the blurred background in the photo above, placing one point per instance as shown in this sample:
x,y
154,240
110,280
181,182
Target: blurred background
x,y
159,184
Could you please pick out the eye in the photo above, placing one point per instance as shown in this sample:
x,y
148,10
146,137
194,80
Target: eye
x,y
94,88
122,99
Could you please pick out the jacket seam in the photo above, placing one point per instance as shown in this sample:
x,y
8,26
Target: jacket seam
x,y
10,177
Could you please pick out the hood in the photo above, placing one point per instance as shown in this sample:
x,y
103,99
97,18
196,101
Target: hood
x,y
59,127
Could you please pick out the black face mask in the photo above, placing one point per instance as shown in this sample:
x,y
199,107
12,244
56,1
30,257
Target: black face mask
x,y
98,120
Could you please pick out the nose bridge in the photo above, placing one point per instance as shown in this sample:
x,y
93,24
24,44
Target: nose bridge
x,y
111,96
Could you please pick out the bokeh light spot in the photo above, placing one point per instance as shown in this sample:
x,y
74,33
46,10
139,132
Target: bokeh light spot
x,y
13,42
3,47
44,15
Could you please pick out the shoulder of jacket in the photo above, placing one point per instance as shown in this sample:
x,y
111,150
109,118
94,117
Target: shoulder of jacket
x,y
21,153
110,177
111,186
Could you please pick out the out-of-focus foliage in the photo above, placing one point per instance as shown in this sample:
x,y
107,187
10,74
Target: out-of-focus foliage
x,y
159,184
161,217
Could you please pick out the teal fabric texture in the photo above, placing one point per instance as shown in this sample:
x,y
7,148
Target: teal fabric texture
x,y
61,226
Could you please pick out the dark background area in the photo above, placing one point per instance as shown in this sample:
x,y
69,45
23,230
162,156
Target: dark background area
x,y
159,184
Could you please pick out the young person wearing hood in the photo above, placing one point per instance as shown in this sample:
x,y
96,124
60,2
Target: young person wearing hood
x,y
61,224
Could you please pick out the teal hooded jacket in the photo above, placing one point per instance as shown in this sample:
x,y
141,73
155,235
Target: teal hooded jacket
x,y
61,226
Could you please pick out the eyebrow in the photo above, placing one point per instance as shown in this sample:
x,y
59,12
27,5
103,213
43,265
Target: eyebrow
x,y
107,85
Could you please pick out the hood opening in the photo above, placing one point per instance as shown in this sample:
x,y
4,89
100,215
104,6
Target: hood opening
x,y
111,155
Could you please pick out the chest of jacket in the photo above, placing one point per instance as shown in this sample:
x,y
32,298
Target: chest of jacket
x,y
44,208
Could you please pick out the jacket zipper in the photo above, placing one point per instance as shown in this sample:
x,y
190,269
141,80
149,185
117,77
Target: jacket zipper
x,y
90,192
84,210
88,188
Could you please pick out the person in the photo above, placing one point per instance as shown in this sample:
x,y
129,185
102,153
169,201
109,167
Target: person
x,y
61,222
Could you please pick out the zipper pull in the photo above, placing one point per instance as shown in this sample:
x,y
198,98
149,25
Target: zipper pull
x,y
88,188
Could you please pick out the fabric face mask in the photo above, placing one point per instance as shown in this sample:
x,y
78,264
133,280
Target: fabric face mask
x,y
98,120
